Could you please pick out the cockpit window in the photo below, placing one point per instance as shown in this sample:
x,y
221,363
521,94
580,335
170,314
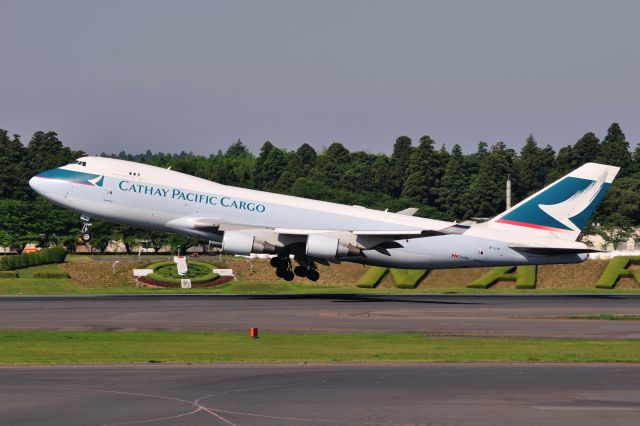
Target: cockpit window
x,y
79,163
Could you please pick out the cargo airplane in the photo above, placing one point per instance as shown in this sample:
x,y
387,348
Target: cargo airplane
x,y
541,229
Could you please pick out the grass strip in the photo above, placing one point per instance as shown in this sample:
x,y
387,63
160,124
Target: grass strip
x,y
43,347
41,286
608,317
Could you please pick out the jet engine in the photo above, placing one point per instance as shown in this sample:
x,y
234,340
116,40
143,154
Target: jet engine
x,y
234,242
328,247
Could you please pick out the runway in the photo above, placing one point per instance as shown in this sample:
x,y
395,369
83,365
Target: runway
x,y
526,316
425,394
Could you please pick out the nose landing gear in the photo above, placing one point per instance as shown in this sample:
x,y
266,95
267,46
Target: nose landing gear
x,y
86,224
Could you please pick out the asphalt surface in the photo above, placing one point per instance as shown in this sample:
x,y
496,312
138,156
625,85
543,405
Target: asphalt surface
x,y
426,394
527,316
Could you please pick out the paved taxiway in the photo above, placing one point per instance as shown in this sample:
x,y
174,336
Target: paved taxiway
x,y
426,394
531,316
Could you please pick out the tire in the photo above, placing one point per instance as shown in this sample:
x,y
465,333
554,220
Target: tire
x,y
275,262
300,271
86,238
313,275
280,273
288,275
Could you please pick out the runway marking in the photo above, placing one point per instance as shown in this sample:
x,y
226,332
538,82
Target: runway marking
x,y
215,412
195,403
585,408
302,419
158,419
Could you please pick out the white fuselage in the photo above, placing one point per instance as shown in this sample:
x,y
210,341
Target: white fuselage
x,y
155,198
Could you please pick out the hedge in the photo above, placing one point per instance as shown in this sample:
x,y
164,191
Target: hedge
x,y
616,269
402,278
194,280
55,275
8,274
524,276
372,277
42,257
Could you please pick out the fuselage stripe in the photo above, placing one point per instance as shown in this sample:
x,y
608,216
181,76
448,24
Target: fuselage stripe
x,y
531,225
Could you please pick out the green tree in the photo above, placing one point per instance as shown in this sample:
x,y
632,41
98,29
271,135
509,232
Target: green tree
x,y
485,196
453,184
586,149
614,150
400,158
269,165
13,176
46,151
532,168
237,149
102,234
617,229
20,224
368,173
332,165
181,243
623,197
422,178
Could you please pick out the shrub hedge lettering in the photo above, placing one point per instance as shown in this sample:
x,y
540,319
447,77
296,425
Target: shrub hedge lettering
x,y
42,257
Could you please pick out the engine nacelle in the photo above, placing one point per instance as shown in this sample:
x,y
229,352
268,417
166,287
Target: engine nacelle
x,y
234,242
328,247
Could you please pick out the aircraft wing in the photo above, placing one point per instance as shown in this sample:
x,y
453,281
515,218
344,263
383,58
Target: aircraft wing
x,y
284,236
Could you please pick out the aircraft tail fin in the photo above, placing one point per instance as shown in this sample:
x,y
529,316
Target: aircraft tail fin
x,y
561,209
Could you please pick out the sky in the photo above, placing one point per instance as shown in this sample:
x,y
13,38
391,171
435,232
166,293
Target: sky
x,y
198,75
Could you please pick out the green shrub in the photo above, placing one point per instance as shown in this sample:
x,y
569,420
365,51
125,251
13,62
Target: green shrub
x,y
10,262
524,276
42,257
616,269
59,254
407,278
166,272
195,280
4,263
8,274
21,261
32,259
54,275
156,265
372,277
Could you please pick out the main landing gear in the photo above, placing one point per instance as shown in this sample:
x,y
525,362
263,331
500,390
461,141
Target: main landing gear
x,y
86,224
285,271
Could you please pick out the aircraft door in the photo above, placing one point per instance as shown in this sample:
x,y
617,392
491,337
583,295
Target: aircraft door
x,y
108,194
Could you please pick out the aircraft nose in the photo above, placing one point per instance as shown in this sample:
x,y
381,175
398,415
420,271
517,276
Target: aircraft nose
x,y
36,184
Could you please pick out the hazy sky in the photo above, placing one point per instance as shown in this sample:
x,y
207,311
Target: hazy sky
x,y
197,75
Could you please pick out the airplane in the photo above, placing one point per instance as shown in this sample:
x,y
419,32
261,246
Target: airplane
x,y
541,229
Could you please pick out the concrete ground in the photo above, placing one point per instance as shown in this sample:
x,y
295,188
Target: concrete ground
x,y
529,316
424,394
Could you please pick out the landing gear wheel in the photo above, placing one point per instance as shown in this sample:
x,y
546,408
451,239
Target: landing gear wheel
x,y
300,271
275,262
280,273
86,224
313,275
287,275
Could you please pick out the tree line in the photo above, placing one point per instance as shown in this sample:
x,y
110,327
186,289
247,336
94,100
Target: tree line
x,y
443,183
